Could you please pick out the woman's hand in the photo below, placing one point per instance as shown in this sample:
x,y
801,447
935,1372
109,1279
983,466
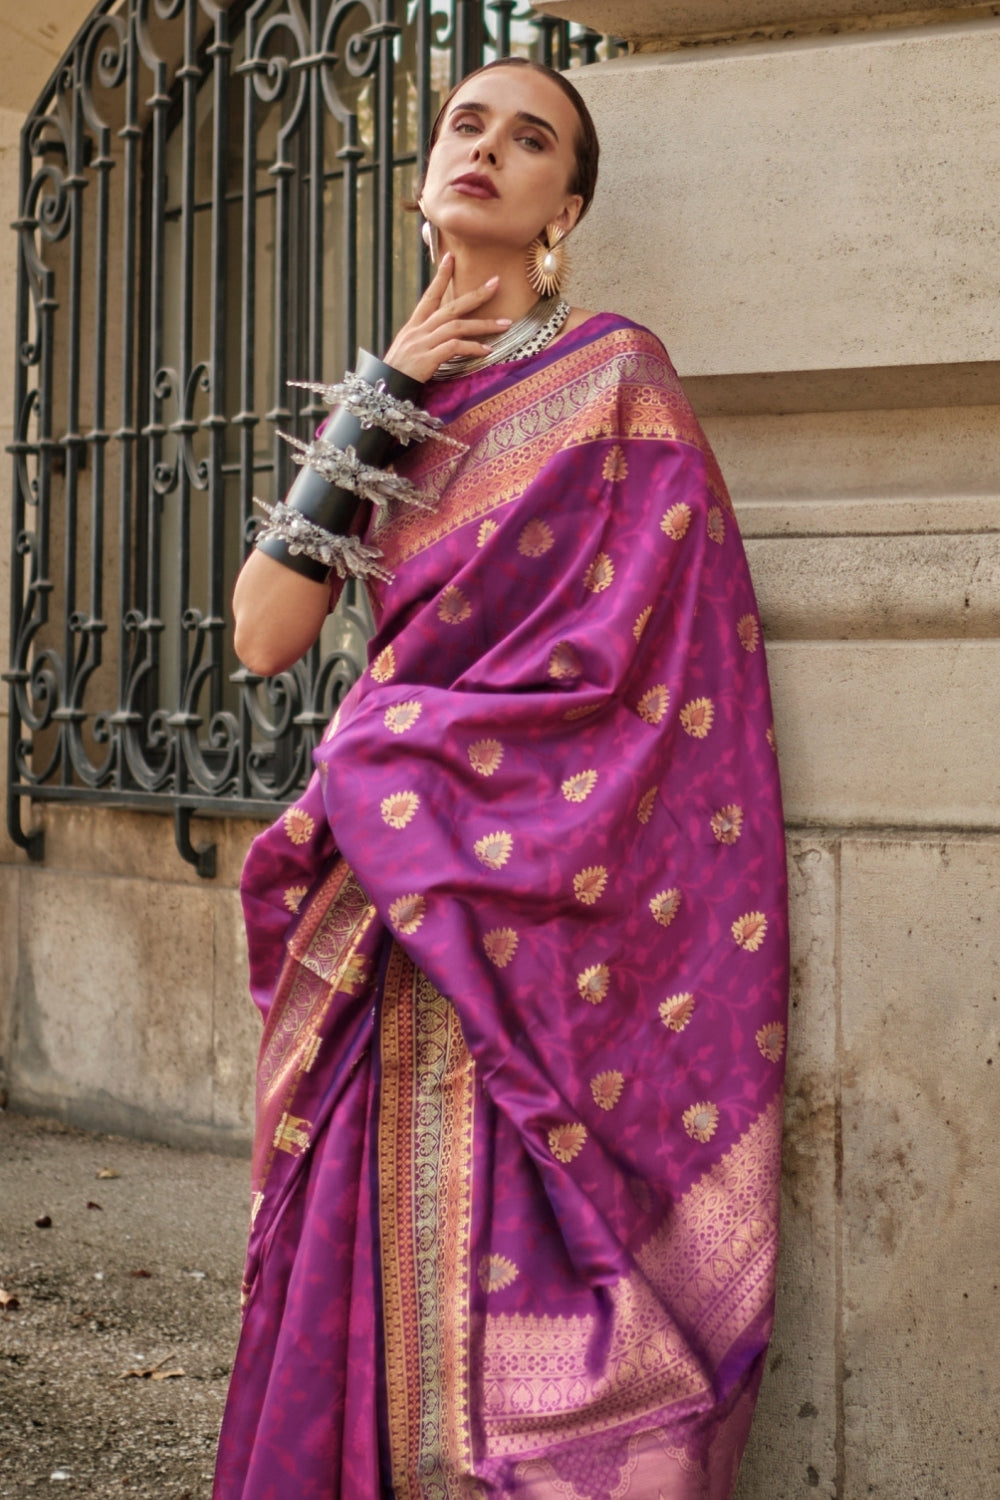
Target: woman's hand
x,y
434,333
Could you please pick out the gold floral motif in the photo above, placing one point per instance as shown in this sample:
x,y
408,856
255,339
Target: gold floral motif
x,y
383,668
291,1134
453,606
399,808
665,905
646,804
653,704
563,661
293,896
567,1141
582,711
256,1203
716,526
769,736
493,850
500,945
536,538
771,1041
485,756
676,521
600,575
727,823
354,974
310,1052
298,825
697,716
399,717
642,622
406,913
676,1011
485,531
594,983
579,787
701,1121
607,1088
748,631
750,930
588,884
496,1272
615,465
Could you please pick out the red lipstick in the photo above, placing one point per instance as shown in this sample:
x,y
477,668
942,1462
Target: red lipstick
x,y
475,185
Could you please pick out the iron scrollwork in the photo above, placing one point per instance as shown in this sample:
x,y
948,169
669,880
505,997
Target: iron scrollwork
x,y
207,207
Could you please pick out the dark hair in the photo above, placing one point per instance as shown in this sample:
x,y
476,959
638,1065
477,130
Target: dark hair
x,y
587,148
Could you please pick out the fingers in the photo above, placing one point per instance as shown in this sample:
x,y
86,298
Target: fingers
x,y
433,299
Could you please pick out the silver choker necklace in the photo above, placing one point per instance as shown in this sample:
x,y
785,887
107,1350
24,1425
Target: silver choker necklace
x,y
521,340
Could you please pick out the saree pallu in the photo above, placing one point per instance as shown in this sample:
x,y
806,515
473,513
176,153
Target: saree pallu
x,y
521,949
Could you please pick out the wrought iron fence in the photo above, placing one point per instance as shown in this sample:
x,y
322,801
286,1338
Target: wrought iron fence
x,y
208,207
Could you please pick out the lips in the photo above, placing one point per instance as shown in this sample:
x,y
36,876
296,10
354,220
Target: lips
x,y
475,185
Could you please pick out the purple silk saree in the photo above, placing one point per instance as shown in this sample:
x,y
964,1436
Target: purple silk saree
x,y
521,949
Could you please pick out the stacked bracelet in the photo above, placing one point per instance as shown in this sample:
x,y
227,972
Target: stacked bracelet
x,y
375,406
310,530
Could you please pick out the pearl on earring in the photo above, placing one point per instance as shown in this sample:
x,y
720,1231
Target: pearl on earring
x,y
548,262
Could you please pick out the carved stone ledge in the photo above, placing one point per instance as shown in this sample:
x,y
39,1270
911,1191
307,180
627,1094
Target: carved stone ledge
x,y
666,22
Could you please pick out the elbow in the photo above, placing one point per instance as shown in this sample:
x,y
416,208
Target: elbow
x,y
257,651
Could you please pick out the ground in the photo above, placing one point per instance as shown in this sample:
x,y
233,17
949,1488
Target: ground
x,y
138,1271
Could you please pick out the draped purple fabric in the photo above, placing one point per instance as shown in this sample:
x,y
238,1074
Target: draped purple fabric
x,y
521,949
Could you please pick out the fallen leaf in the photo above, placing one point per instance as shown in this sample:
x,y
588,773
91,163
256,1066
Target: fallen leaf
x,y
8,1301
141,1273
154,1372
92,1204
44,1221
108,1172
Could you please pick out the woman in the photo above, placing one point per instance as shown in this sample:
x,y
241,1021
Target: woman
x,y
521,945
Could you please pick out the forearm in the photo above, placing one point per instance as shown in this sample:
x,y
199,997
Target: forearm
x,y
278,614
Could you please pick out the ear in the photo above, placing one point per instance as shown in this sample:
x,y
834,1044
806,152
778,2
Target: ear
x,y
569,213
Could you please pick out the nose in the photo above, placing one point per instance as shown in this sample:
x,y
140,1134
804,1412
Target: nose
x,y
484,148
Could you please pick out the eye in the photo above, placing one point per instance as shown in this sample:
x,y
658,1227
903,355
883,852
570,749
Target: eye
x,y
532,141
465,125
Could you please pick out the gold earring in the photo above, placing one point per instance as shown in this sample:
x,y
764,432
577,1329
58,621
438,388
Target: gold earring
x,y
429,234
548,261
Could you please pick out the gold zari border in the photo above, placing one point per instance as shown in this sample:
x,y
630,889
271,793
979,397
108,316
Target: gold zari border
x,y
619,386
425,1125
700,1282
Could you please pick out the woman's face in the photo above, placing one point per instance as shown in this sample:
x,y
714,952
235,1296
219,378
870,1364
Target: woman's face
x,y
501,166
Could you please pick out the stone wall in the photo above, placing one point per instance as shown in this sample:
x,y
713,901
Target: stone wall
x,y
802,199
813,214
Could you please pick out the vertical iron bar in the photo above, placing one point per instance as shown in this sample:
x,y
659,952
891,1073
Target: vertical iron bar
x,y
147,672
586,43
423,50
350,154
189,76
214,623
246,418
468,52
504,9
96,439
127,433
314,211
386,32
72,438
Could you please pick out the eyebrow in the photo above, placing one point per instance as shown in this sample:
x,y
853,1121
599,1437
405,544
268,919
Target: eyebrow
x,y
522,116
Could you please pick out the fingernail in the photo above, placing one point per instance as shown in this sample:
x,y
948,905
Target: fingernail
x,y
493,281
504,322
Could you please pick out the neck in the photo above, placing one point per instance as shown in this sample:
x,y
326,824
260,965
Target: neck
x,y
475,264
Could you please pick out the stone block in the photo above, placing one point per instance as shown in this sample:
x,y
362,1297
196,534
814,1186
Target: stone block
x,y
813,205
793,1440
888,733
9,900
236,1022
888,587
669,20
921,1173
113,1010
